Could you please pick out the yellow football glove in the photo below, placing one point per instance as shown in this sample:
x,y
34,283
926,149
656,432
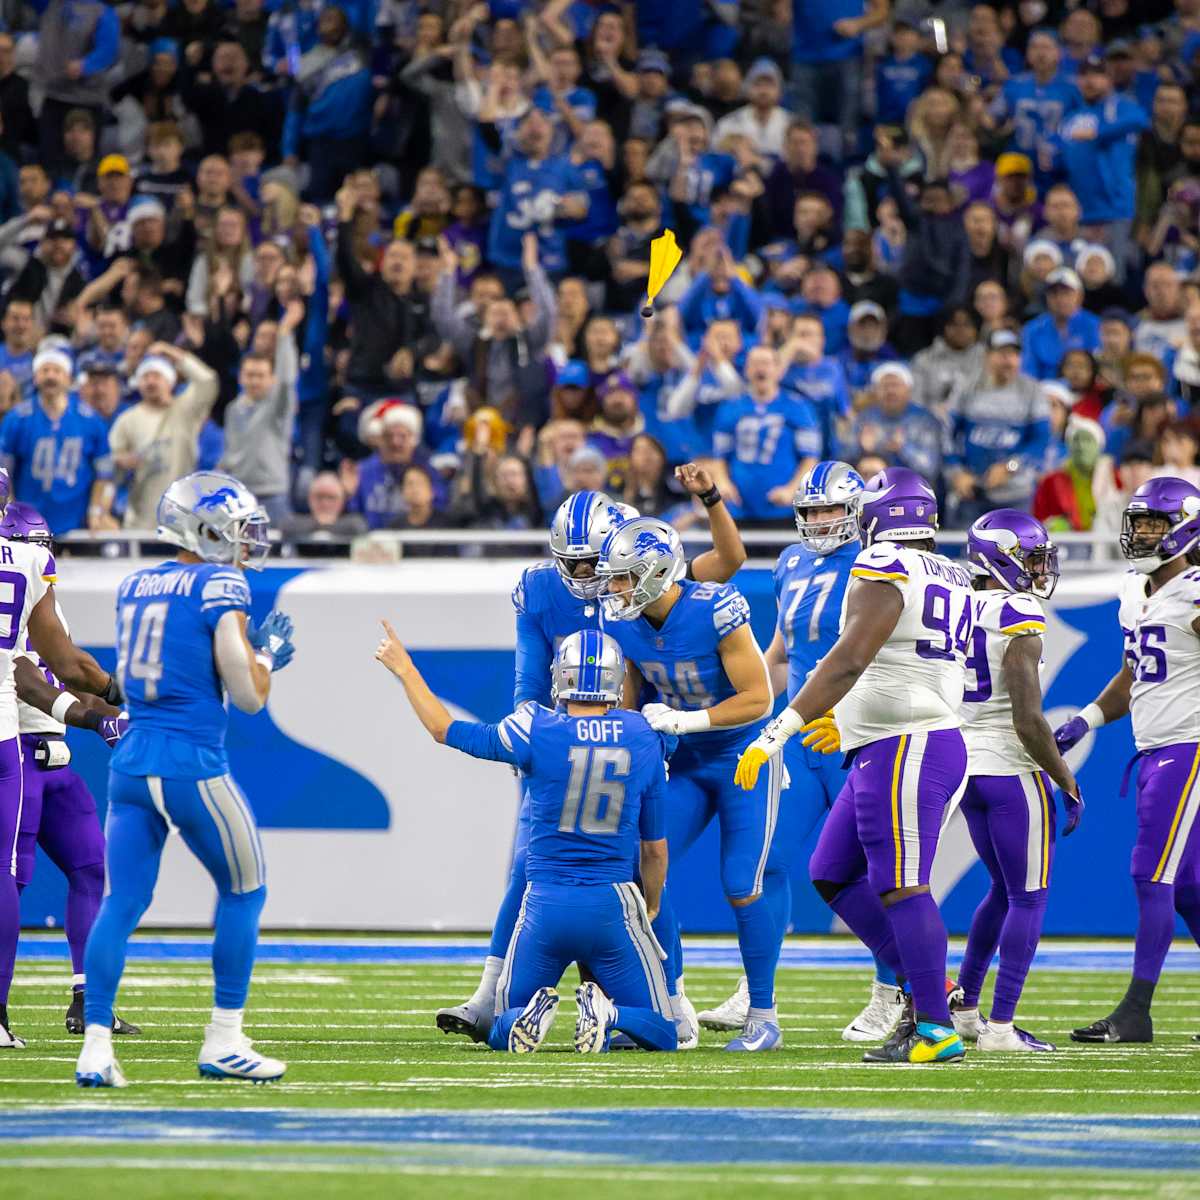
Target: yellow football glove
x,y
822,735
748,767
768,743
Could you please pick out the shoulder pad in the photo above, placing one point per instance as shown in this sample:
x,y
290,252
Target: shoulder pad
x,y
730,611
1019,614
884,561
518,726
225,588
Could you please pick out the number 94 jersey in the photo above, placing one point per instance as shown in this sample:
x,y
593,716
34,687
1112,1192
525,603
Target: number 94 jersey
x,y
993,748
915,684
1162,652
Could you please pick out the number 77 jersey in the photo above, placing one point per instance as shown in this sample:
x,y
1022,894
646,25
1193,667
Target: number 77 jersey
x,y
1162,651
915,683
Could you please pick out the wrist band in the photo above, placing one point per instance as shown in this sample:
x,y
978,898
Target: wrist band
x,y
711,497
693,721
265,660
59,708
1093,715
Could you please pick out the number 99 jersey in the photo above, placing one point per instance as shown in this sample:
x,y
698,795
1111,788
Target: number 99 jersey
x,y
987,712
915,684
1162,652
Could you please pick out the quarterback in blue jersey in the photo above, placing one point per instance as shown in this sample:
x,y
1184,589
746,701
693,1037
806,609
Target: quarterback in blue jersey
x,y
597,783
810,585
57,449
183,643
690,646
553,600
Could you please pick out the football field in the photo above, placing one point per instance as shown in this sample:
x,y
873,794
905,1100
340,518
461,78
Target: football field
x,y
378,1103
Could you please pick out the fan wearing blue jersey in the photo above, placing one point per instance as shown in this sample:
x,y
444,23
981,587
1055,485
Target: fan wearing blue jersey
x,y
553,600
183,643
810,585
57,450
597,785
690,645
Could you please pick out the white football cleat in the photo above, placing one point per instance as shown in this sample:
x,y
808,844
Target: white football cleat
x,y
968,1023
876,1022
466,1019
687,1028
533,1026
97,1066
595,1020
9,1040
1011,1038
224,1057
732,1013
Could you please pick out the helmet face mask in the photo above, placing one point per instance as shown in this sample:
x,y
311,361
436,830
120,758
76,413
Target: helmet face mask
x,y
578,530
1016,551
1160,523
827,505
639,562
217,518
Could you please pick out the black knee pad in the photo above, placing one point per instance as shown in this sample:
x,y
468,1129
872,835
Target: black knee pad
x,y
828,889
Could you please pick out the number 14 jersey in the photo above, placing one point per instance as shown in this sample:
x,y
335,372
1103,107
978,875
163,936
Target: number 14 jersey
x,y
1162,652
915,683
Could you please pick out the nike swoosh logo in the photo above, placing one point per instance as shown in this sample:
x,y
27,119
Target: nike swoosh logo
x,y
758,1041
1162,762
866,762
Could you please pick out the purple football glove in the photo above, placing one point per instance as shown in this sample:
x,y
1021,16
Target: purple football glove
x,y
1071,732
1073,806
113,729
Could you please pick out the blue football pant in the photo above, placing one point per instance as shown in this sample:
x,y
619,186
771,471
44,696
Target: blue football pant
x,y
215,822
599,927
510,906
700,787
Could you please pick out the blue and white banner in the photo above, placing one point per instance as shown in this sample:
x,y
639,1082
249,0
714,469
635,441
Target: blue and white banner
x,y
367,824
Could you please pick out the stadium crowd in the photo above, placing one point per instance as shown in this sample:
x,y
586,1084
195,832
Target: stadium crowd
x,y
383,260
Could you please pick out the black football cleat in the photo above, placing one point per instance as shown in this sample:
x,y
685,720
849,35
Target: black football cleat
x,y
1124,1027
123,1028
75,1023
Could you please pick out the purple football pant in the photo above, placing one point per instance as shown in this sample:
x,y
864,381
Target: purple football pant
x,y
1011,820
11,804
1166,854
60,816
883,829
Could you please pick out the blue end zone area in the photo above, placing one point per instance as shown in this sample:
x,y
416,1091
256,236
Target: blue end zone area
x,y
1067,956
713,1136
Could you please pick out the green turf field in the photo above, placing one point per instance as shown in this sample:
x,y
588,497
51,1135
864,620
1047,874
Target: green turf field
x,y
360,1039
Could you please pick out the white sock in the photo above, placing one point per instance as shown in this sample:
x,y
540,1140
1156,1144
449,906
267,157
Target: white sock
x,y
78,980
485,993
677,1007
763,1014
96,1033
227,1022
1000,1026
967,1012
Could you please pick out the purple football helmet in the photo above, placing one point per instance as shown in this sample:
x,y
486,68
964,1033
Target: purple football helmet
x,y
898,506
1170,500
1015,550
23,523
5,488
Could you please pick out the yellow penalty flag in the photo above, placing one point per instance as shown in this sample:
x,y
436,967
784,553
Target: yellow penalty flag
x,y
665,256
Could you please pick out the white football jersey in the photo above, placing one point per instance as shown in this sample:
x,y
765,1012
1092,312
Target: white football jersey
x,y
915,684
1163,653
26,573
993,747
30,719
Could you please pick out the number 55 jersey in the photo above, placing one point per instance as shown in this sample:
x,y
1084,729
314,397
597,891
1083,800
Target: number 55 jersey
x,y
1162,651
915,683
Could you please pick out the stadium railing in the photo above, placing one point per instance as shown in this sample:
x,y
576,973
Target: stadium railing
x,y
1082,551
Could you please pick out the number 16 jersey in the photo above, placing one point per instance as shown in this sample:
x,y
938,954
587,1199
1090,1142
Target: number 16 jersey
x,y
1162,651
915,683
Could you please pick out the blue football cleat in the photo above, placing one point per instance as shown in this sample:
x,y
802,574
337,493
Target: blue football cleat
x,y
919,1042
532,1027
758,1035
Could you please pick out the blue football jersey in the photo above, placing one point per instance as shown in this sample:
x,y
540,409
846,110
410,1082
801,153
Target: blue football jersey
x,y
166,617
55,463
681,662
597,787
546,613
810,589
529,201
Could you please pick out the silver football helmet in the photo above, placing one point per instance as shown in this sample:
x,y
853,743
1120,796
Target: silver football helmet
x,y
639,561
589,668
216,517
577,532
827,484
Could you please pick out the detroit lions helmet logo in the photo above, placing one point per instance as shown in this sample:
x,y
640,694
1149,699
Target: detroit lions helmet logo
x,y
648,542
217,499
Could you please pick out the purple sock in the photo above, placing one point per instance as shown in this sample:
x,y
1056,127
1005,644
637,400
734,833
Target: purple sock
x,y
982,941
866,918
1018,944
1187,905
10,927
85,890
1156,927
921,939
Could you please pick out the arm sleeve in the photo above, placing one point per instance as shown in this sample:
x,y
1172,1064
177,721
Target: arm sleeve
x,y
507,742
234,662
534,654
652,820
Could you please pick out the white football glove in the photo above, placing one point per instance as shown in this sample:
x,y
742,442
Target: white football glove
x,y
664,719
